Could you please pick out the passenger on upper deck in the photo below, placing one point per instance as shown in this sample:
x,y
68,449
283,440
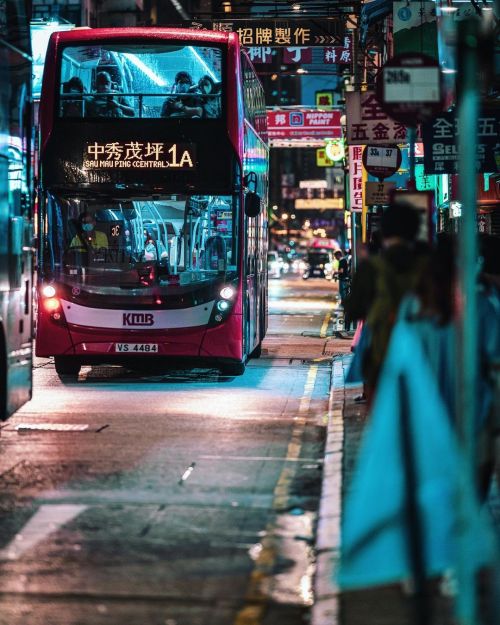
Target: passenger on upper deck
x,y
211,97
106,105
87,236
70,107
184,106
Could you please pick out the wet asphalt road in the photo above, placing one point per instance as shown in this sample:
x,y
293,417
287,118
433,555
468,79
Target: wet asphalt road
x,y
180,498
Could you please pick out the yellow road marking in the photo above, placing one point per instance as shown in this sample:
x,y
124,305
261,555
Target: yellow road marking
x,y
253,610
324,326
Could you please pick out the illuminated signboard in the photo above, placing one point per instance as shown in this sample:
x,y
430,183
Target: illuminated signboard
x,y
335,150
137,154
303,124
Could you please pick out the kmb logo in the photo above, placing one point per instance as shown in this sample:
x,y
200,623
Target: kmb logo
x,y
138,319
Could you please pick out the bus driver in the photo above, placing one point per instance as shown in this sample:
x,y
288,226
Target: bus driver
x,y
87,236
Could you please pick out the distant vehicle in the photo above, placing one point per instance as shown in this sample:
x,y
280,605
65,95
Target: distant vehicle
x,y
274,265
16,266
318,265
285,264
155,229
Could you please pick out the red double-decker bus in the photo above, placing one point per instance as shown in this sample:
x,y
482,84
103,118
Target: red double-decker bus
x,y
16,233
153,200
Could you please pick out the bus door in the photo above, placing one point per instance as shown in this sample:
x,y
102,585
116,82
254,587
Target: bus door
x,y
252,283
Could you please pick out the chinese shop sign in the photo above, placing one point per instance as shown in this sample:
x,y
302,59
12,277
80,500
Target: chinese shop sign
x,y
337,56
279,33
415,27
356,178
136,154
409,88
322,158
297,55
283,124
367,123
260,54
440,148
324,98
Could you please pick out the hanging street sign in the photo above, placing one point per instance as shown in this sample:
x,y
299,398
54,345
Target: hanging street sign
x,y
322,159
409,88
303,124
324,98
335,149
368,123
441,150
382,161
280,33
335,203
378,192
356,178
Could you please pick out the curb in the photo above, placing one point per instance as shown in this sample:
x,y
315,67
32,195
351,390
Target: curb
x,y
325,610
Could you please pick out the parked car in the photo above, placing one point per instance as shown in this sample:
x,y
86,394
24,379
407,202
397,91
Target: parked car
x,y
318,264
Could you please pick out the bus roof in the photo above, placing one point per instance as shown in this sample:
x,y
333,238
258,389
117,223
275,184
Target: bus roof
x,y
85,35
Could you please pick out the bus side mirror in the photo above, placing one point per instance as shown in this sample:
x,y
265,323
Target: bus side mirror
x,y
252,204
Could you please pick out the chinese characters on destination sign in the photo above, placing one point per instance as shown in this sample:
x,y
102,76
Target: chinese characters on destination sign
x,y
136,154
368,124
440,148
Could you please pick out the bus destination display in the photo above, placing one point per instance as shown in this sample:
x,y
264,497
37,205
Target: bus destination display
x,y
137,154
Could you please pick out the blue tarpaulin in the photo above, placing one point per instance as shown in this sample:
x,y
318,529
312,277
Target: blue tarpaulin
x,y
374,541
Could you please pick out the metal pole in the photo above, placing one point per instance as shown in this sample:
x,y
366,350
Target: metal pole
x,y
468,111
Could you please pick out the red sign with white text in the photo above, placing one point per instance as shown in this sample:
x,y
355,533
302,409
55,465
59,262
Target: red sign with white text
x,y
284,124
297,55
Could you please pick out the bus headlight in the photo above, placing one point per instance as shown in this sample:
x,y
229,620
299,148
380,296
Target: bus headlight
x,y
227,293
48,290
223,305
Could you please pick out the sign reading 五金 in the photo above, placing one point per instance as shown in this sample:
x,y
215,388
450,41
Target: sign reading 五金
x,y
367,123
136,154
285,124
279,33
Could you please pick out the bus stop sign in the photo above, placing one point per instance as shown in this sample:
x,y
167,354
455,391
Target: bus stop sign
x,y
409,88
382,161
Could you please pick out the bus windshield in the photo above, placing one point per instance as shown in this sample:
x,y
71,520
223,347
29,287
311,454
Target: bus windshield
x,y
109,246
141,81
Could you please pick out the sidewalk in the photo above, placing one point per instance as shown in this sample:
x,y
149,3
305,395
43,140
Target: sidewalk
x,y
385,605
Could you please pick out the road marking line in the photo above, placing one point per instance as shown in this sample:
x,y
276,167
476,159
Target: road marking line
x,y
262,458
47,519
255,599
324,327
53,427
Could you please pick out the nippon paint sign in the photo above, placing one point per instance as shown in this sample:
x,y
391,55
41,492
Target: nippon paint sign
x,y
304,124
